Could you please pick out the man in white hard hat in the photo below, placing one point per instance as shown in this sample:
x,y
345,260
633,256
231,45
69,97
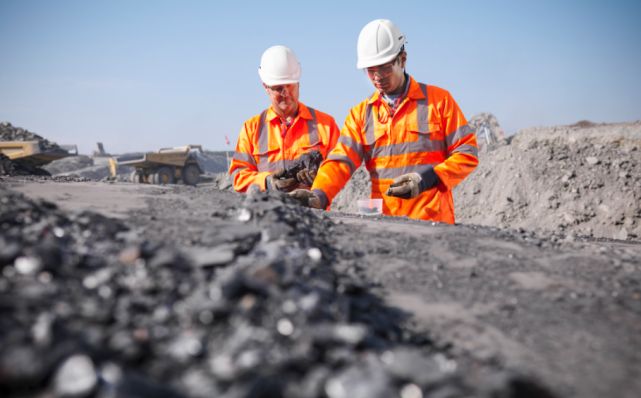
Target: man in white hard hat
x,y
271,142
413,137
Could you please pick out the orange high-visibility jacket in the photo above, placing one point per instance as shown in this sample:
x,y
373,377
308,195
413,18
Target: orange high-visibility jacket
x,y
427,129
264,145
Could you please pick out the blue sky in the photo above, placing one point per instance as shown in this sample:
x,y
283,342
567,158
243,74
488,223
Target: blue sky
x,y
140,75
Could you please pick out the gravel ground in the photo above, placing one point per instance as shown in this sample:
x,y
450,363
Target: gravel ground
x,y
582,180
480,311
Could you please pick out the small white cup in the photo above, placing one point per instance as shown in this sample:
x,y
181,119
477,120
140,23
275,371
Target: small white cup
x,y
370,207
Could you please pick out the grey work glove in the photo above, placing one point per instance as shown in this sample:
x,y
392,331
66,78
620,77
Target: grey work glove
x,y
278,183
306,177
315,199
410,185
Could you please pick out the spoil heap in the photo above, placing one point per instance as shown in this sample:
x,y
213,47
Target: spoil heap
x,y
8,132
20,167
488,130
256,309
583,179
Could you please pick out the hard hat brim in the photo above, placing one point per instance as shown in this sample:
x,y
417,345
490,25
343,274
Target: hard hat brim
x,y
275,81
368,63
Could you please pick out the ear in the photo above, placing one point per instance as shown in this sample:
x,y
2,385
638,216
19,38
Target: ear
x,y
403,59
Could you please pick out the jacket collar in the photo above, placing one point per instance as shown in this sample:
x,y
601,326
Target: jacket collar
x,y
303,112
414,92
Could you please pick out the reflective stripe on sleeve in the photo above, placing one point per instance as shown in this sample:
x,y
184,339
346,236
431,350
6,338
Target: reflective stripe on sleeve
x,y
351,144
344,159
467,149
244,157
457,134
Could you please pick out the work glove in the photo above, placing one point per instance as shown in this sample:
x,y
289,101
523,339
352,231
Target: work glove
x,y
306,177
313,199
278,183
412,184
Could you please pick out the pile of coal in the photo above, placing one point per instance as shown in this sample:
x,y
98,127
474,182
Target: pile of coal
x,y
9,167
8,132
90,308
309,160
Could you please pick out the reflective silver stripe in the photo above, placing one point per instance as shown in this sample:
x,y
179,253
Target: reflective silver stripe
x,y
312,127
263,133
263,143
369,133
351,144
423,144
369,125
263,162
459,133
274,166
422,114
468,149
393,172
285,163
344,159
244,157
234,173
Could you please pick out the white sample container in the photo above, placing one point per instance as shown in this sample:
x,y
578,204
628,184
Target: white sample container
x,y
370,207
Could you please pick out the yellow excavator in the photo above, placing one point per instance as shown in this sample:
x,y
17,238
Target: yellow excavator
x,y
167,166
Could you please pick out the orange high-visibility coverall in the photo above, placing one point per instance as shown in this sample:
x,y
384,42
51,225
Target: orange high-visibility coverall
x,y
427,129
265,145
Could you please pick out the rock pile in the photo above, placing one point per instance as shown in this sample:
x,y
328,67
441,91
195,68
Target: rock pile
x,y
583,179
23,167
8,132
488,130
69,164
257,309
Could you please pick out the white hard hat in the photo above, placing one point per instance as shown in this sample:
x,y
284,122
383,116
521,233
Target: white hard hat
x,y
279,65
379,42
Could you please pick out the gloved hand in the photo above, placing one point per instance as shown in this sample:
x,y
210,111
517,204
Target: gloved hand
x,y
410,185
309,198
306,177
281,184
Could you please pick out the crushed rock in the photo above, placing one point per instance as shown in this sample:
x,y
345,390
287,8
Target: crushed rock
x,y
581,180
91,308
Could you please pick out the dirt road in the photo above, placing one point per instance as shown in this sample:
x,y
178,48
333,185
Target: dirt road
x,y
565,312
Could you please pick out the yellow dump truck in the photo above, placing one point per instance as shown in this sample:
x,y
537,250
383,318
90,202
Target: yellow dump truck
x,y
28,156
167,166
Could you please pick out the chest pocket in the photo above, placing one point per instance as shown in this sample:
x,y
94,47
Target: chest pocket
x,y
312,146
425,133
374,129
263,162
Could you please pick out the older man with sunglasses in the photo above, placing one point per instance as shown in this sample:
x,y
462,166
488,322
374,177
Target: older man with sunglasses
x,y
269,143
413,137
